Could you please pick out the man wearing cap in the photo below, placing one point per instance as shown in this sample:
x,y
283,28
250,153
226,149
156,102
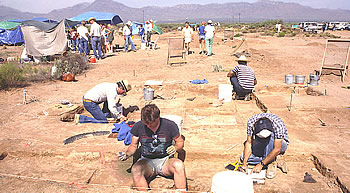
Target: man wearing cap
x,y
209,37
201,35
149,29
127,37
187,31
160,139
267,137
242,78
83,38
95,33
107,93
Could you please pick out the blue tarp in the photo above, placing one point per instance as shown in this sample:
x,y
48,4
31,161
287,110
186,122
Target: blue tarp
x,y
136,27
109,18
11,36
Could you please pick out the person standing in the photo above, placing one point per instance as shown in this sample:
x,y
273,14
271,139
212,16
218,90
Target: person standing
x,y
110,38
127,37
95,33
142,33
104,32
187,31
149,30
201,31
83,38
209,37
74,38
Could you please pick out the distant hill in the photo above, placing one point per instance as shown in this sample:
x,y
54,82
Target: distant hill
x,y
249,12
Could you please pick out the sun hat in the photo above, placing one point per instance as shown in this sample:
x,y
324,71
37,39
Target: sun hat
x,y
242,58
210,21
125,85
91,18
263,128
128,23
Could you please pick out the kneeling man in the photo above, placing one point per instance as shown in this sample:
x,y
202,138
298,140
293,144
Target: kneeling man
x,y
156,136
267,137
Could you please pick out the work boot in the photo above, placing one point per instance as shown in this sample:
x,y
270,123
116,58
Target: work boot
x,y
271,170
76,118
247,97
282,166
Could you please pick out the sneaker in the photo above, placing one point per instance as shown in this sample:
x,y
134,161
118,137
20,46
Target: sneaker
x,y
76,118
200,52
282,166
271,170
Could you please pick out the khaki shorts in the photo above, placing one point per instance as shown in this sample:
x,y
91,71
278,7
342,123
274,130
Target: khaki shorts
x,y
188,40
156,164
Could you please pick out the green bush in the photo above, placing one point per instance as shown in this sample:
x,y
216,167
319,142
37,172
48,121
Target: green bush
x,y
237,35
307,35
282,34
10,75
294,34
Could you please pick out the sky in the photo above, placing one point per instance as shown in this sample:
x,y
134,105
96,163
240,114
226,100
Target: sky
x,y
45,6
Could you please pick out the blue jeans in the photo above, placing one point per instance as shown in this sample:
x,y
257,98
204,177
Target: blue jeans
x,y
263,147
84,46
142,38
241,92
128,41
96,44
100,116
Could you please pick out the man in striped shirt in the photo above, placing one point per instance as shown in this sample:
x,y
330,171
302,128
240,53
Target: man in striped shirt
x,y
267,137
242,78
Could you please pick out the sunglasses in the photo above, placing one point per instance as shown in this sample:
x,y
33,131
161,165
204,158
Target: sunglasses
x,y
155,141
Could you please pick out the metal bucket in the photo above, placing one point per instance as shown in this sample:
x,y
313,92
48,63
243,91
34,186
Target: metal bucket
x,y
148,94
299,79
314,79
289,79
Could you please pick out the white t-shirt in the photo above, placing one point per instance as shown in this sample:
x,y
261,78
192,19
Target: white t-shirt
x,y
209,31
148,27
95,30
82,31
187,32
126,30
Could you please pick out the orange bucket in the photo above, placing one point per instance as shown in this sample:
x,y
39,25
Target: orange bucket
x,y
92,60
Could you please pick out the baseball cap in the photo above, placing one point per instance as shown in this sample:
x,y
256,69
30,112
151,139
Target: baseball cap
x,y
263,128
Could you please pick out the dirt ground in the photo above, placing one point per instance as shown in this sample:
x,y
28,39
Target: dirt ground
x,y
38,161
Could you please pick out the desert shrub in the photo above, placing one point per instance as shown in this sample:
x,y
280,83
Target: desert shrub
x,y
10,75
307,35
282,34
73,63
293,34
237,35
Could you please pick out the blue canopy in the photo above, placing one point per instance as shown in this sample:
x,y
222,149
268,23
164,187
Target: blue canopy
x,y
11,36
109,18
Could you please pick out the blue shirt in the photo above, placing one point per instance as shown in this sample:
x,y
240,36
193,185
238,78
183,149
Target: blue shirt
x,y
142,31
201,30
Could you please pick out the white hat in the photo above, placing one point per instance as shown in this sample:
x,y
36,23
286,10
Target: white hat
x,y
210,21
242,58
128,23
264,133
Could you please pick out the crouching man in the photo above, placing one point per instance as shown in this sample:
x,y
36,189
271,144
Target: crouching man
x,y
267,137
156,136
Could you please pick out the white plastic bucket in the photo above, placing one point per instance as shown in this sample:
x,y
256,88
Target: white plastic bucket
x,y
314,79
225,92
299,79
148,94
232,182
177,119
289,79
143,46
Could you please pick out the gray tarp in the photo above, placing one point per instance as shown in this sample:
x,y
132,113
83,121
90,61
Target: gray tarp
x,y
44,43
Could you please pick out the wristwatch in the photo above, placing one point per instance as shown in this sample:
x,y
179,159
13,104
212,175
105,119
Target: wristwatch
x,y
262,163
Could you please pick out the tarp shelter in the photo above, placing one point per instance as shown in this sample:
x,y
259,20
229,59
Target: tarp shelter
x,y
13,36
44,26
157,29
43,19
40,42
8,25
108,18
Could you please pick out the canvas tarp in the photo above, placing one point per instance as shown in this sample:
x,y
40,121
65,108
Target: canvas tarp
x,y
44,43
44,26
8,25
43,19
109,18
157,29
14,36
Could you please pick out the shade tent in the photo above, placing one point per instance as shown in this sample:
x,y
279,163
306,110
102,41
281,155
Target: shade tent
x,y
14,36
44,26
109,18
8,25
43,19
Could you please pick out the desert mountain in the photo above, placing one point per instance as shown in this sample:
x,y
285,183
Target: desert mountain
x,y
228,12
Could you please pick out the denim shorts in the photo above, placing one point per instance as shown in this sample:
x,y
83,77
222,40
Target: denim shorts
x,y
156,164
201,37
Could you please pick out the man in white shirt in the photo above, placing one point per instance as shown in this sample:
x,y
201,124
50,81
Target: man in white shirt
x,y
83,38
149,29
209,37
127,37
95,33
107,93
187,31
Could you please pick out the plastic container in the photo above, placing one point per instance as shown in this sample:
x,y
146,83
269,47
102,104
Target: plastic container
x,y
148,94
232,182
225,92
299,79
92,60
289,79
177,119
143,46
314,79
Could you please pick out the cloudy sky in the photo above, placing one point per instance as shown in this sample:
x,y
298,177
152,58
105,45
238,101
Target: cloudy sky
x,y
45,6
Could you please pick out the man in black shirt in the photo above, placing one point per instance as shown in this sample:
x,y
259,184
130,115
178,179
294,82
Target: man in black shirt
x,y
156,136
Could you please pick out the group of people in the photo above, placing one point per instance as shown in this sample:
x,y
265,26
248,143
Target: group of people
x,y
100,37
144,31
206,35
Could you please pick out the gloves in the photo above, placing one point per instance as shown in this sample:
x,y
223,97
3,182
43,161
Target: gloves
x,y
171,150
122,156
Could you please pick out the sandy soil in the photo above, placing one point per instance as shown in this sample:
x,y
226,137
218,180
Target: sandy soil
x,y
38,161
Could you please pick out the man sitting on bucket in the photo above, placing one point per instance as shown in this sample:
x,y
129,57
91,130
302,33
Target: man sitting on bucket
x,y
107,93
242,78
267,137
156,136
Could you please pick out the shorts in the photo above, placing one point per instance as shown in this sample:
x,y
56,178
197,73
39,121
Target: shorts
x,y
201,37
156,164
188,40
